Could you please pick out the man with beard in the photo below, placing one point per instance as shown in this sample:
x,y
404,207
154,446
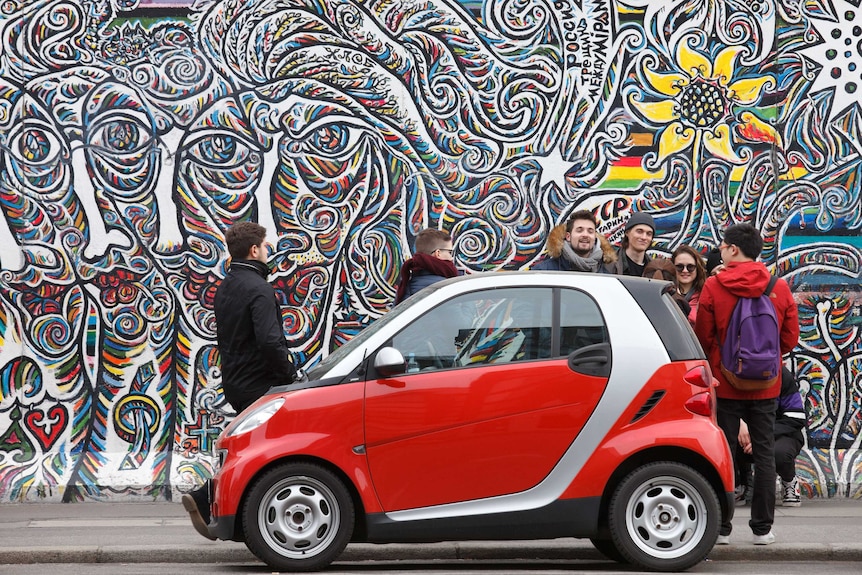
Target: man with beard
x,y
432,262
576,247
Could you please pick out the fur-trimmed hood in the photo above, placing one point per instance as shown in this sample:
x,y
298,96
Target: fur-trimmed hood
x,y
557,238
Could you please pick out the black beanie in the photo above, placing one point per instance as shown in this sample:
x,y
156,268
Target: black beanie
x,y
638,218
713,260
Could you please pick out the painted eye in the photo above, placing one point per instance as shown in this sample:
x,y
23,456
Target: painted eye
x,y
219,149
119,154
36,146
331,139
220,161
222,151
37,157
121,135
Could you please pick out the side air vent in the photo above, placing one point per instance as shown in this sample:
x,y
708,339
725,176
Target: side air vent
x,y
648,405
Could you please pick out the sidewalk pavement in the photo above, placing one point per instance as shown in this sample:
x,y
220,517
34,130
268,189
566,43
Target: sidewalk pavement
x,y
820,530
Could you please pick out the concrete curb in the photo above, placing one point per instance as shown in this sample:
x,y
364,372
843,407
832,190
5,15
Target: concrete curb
x,y
566,550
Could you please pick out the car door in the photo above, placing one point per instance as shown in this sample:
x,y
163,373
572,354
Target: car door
x,y
489,403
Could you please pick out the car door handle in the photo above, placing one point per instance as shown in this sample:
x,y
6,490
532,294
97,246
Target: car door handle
x,y
592,359
588,359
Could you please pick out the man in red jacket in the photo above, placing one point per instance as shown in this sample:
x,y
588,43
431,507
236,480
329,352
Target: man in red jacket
x,y
742,276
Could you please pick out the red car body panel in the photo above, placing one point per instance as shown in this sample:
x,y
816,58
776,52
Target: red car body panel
x,y
418,457
501,437
336,409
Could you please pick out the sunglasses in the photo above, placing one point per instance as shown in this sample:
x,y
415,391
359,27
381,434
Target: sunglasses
x,y
685,267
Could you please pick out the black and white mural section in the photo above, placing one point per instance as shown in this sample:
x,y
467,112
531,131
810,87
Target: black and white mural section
x,y
133,133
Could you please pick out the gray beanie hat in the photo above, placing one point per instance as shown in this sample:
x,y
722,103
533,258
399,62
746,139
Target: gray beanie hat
x,y
640,218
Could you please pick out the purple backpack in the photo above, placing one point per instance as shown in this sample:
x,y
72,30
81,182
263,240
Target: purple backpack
x,y
751,352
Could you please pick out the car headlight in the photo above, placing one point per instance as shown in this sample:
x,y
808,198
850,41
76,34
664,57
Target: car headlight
x,y
256,417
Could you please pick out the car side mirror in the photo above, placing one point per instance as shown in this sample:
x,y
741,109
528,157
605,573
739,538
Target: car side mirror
x,y
389,361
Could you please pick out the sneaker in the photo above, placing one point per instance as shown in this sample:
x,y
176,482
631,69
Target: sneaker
x,y
195,515
766,539
790,493
723,540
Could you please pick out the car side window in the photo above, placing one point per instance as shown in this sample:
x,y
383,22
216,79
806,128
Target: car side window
x,y
480,328
581,322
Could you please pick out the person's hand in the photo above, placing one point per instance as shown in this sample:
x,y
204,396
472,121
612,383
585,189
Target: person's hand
x,y
744,438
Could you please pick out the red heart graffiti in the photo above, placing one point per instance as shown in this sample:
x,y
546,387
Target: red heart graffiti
x,y
47,428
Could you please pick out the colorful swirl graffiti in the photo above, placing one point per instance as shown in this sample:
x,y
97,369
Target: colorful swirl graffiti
x,y
133,133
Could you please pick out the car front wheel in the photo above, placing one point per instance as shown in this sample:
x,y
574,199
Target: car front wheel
x,y
298,517
664,516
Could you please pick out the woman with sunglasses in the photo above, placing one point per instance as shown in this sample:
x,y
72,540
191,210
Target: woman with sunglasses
x,y
690,276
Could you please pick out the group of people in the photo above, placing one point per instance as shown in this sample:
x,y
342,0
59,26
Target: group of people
x,y
254,351
577,246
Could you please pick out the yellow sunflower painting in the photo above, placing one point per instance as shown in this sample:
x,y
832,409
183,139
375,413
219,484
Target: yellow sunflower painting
x,y
704,103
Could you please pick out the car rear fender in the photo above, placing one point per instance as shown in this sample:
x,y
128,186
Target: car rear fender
x,y
703,444
717,477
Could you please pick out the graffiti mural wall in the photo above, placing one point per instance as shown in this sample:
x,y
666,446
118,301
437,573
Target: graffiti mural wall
x,y
134,132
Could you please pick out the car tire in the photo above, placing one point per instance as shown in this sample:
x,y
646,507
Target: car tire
x,y
664,516
298,517
607,548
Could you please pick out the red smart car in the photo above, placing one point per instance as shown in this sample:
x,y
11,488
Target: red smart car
x,y
511,405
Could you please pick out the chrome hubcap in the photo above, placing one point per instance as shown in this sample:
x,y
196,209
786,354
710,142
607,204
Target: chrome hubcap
x,y
299,517
666,517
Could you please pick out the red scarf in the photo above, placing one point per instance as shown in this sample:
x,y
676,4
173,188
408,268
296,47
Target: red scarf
x,y
423,262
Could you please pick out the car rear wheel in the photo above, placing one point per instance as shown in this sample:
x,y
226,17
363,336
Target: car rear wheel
x,y
664,517
298,517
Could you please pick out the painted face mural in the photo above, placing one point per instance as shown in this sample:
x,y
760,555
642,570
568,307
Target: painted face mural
x,y
46,392
127,148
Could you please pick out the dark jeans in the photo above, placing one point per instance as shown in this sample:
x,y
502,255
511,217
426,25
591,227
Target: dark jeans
x,y
759,414
786,450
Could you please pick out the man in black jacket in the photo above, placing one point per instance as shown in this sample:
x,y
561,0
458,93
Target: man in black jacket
x,y
254,353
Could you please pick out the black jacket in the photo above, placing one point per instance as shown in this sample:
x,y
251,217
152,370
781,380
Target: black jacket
x,y
620,267
254,353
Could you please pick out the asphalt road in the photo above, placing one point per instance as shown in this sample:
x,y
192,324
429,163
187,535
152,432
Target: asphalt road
x,y
435,568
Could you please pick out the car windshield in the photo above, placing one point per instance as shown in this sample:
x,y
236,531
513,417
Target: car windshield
x,y
319,370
